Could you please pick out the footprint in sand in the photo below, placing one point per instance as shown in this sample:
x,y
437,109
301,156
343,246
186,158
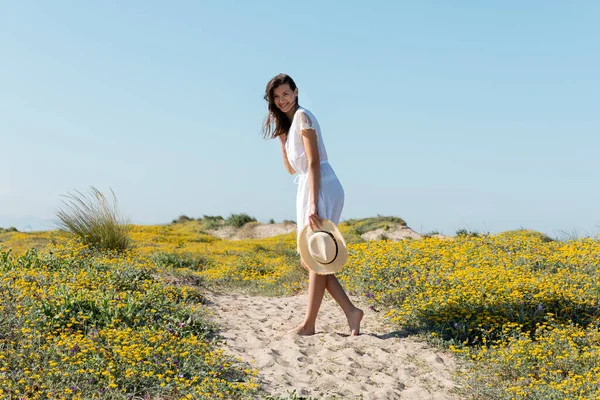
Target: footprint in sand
x,y
376,365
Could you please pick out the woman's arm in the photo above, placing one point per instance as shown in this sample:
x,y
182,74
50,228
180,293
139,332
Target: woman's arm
x,y
282,140
309,137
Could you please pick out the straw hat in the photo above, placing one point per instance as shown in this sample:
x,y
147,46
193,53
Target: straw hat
x,y
323,250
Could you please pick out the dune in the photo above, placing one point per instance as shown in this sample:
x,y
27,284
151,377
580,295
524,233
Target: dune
x,y
394,234
253,230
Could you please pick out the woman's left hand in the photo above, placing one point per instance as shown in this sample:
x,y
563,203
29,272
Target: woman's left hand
x,y
313,219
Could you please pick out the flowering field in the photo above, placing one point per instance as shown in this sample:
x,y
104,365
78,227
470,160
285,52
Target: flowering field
x,y
77,325
524,310
521,311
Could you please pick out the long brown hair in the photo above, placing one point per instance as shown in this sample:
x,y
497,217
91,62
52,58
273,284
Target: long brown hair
x,y
277,123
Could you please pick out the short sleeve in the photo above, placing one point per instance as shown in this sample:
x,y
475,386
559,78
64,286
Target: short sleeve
x,y
305,122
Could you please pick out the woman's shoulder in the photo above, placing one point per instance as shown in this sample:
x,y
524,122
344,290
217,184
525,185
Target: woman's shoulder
x,y
306,115
304,119
305,111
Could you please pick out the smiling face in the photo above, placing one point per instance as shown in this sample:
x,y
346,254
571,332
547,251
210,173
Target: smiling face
x,y
285,98
281,95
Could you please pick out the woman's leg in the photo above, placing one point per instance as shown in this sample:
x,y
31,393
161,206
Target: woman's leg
x,y
335,289
353,314
316,290
337,292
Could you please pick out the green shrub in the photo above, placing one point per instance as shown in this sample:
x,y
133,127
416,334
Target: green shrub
x,y
212,222
171,260
213,218
465,232
94,221
239,220
182,219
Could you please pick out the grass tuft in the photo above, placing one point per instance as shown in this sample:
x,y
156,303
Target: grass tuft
x,y
94,220
239,220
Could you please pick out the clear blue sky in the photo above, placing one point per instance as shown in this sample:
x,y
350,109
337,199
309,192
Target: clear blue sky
x,y
464,114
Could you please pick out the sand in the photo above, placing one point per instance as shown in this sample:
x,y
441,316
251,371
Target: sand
x,y
381,363
253,230
394,234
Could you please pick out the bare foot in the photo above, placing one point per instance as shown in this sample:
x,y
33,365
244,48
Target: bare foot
x,y
354,321
303,330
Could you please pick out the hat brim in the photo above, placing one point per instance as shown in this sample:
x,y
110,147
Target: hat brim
x,y
314,265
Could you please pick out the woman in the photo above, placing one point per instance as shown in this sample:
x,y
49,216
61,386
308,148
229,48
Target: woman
x,y
320,194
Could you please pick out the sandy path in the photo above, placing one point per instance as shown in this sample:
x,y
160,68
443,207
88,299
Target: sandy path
x,y
378,364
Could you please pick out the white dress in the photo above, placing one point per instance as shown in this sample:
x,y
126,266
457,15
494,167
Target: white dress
x,y
331,192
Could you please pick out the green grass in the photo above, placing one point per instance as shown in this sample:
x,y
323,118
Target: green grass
x,y
466,232
239,220
210,222
195,262
94,220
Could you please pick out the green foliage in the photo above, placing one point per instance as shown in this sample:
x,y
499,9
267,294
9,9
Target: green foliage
x,y
383,236
182,219
465,232
212,218
212,221
9,229
94,221
171,260
239,220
